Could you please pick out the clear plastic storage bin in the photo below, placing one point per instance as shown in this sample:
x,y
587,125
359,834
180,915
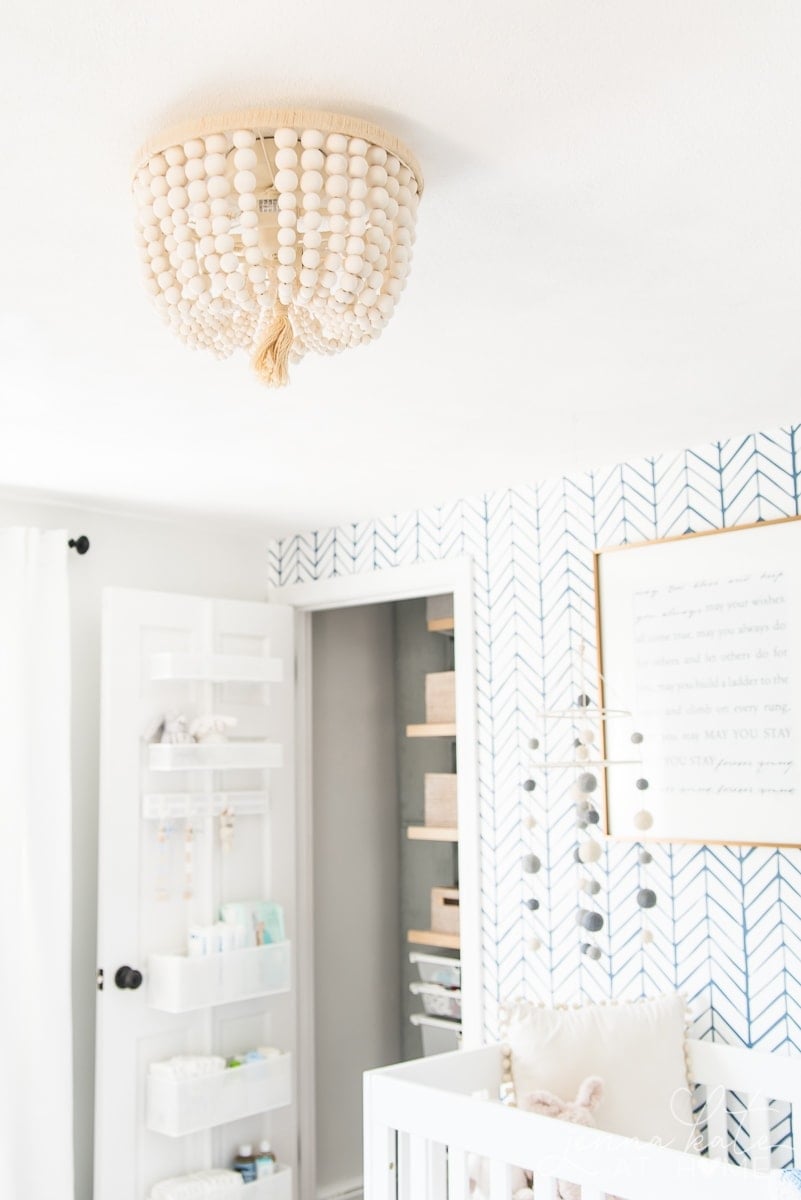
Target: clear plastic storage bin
x,y
274,1187
180,1106
436,968
439,1001
178,983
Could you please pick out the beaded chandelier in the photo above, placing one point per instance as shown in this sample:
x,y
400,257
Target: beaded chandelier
x,y
276,232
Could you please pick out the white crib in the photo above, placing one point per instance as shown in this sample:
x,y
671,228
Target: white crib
x,y
423,1118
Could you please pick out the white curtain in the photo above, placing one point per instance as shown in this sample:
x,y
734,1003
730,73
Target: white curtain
x,y
36,1151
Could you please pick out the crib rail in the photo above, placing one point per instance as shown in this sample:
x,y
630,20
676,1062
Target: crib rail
x,y
422,1119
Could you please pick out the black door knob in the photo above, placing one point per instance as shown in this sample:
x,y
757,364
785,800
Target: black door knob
x,y
128,977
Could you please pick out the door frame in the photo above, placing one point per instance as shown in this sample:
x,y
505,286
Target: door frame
x,y
390,584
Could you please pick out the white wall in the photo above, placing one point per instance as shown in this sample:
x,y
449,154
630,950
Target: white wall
x,y
356,876
129,551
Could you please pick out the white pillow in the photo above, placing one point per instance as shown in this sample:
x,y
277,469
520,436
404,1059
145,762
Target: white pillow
x,y
638,1049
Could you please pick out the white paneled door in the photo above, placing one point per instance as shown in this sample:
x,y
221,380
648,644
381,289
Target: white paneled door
x,y
186,827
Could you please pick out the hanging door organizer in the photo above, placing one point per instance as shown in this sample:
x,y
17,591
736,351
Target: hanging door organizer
x,y
179,983
177,1107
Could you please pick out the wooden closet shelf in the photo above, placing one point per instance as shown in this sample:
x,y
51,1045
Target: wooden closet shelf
x,y
443,730
433,833
441,625
428,937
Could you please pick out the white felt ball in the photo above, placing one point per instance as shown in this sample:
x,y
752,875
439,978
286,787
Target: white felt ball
x,y
245,181
378,198
394,287
158,186
235,282
643,819
376,176
249,220
312,160
245,159
286,255
529,821
257,274
336,143
219,205
354,263
358,168
195,169
356,209
186,248
253,255
336,185
534,943
220,225
218,187
197,191
336,243
285,138
337,205
215,164
286,274
248,203
311,201
358,147
216,143
224,243
195,148
157,165
311,258
376,155
647,937
589,851
358,189
229,262
189,268
286,181
287,200
393,165
312,238
177,197
287,236
308,277
336,164
311,181
176,176
312,139
243,138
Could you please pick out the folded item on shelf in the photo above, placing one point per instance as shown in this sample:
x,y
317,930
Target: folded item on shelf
x,y
198,1185
188,1066
262,920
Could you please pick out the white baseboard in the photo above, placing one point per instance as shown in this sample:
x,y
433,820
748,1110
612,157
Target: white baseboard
x,y
351,1189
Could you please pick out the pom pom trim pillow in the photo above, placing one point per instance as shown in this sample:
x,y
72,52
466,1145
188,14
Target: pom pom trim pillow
x,y
638,1049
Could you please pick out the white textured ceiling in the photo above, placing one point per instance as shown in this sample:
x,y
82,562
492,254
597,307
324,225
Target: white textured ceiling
x,y
607,260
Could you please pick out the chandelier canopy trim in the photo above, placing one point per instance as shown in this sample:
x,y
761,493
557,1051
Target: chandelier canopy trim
x,y
276,231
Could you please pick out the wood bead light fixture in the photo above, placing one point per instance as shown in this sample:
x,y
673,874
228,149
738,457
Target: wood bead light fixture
x,y
276,232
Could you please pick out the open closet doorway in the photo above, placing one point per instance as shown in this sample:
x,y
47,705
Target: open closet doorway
x,y
388,847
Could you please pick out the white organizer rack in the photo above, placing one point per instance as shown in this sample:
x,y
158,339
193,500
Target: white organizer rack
x,y
216,668
214,756
277,1186
158,806
177,1107
179,984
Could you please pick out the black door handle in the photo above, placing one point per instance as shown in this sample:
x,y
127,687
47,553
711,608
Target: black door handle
x,y
128,977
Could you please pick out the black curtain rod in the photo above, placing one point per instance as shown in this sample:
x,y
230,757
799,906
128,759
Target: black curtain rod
x,y
81,544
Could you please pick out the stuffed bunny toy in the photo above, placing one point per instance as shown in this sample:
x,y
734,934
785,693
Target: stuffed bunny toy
x,y
578,1111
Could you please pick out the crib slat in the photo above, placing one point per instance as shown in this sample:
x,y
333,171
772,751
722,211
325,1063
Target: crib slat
x,y
759,1129
418,1168
500,1180
795,1121
547,1186
437,1172
458,1177
403,1161
380,1162
717,1126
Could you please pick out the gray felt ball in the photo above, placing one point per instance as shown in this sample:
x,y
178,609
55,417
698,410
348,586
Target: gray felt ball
x,y
592,816
584,701
592,921
593,887
576,743
576,856
534,743
529,785
636,738
645,856
646,898
642,784
581,913
594,953
582,824
531,864
532,904
587,782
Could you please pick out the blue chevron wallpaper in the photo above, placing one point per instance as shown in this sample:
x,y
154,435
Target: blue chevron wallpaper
x,y
728,922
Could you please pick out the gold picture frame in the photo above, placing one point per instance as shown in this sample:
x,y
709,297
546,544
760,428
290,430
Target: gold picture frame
x,y
698,640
